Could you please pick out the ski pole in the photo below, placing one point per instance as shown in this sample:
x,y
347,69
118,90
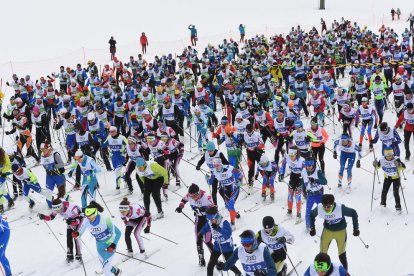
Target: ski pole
x,y
290,260
163,238
107,208
402,192
188,217
372,194
53,233
125,255
366,245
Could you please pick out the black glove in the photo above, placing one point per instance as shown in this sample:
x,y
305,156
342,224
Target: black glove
x,y
179,209
356,232
311,180
41,216
256,176
260,151
312,232
220,265
69,221
281,177
356,124
335,155
375,126
8,132
281,240
358,164
375,163
215,226
70,174
260,272
147,230
197,167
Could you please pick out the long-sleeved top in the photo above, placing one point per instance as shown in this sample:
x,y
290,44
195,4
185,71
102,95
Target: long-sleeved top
x,y
153,171
334,221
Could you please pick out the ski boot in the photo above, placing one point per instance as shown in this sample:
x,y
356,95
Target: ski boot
x,y
371,146
283,271
1,209
178,182
15,195
166,197
272,197
69,258
398,209
116,271
201,260
360,145
31,204
238,215
78,258
298,218
10,203
160,215
289,213
142,251
264,196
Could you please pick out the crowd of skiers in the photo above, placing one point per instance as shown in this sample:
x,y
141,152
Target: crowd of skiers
x,y
138,116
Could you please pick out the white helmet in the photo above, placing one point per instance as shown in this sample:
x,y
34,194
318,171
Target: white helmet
x,y
91,116
264,159
259,79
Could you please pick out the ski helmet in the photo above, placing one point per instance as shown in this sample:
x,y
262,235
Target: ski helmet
x,y
210,146
140,162
383,126
322,262
298,124
224,120
211,212
268,222
264,160
309,163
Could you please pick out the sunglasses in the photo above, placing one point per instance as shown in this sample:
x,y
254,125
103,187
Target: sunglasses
x,y
322,266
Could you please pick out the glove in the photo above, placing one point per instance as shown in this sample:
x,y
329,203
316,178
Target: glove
x,y
111,248
41,216
215,226
375,126
75,234
69,221
220,265
356,124
281,240
311,180
165,186
312,232
335,155
166,152
8,132
256,176
202,209
374,163
70,174
358,164
281,177
260,272
179,209
147,230
147,214
356,232
197,167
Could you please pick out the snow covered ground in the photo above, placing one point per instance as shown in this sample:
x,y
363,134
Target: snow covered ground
x,y
33,249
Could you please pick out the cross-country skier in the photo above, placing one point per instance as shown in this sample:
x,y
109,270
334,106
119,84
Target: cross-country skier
x,y
135,218
117,144
389,137
348,150
268,171
154,177
276,238
89,170
4,240
229,180
199,202
72,214
107,236
392,167
208,157
253,256
334,226
221,232
368,116
5,169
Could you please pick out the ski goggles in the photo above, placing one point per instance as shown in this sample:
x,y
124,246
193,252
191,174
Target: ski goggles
x,y
91,212
57,207
322,266
292,152
328,208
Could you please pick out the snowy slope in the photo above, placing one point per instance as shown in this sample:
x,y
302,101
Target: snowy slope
x,y
33,249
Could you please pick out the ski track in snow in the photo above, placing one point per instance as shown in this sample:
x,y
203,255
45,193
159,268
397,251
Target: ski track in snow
x,y
33,250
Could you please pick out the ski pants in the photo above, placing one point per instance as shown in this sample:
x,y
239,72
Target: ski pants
x,y
135,225
153,187
70,240
200,221
253,156
396,183
379,105
53,181
310,201
350,157
105,257
89,184
129,170
318,154
4,240
407,137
